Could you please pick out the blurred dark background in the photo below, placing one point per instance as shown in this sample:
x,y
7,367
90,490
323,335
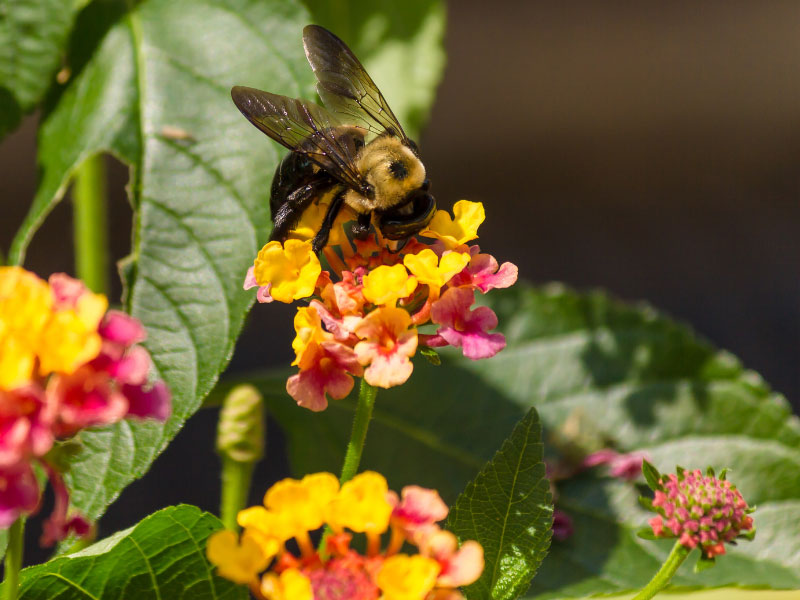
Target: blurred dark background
x,y
652,149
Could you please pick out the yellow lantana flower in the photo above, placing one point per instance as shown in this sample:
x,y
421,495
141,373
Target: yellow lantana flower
x,y
459,230
291,269
25,308
361,505
290,585
386,285
432,271
308,329
238,561
70,338
404,577
301,503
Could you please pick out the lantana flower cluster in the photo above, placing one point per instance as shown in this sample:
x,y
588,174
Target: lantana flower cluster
x,y
66,363
700,511
366,311
364,505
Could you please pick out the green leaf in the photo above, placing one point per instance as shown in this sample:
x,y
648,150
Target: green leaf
x,y
633,377
508,509
200,200
32,38
161,557
651,475
399,43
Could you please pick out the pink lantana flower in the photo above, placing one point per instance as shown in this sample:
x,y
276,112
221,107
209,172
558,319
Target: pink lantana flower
x,y
417,509
464,328
483,273
25,424
387,346
621,466
459,566
19,493
326,367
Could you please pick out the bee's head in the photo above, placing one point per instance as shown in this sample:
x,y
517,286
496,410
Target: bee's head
x,y
410,217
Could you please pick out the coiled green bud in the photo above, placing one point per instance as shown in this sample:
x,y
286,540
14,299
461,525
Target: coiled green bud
x,y
240,431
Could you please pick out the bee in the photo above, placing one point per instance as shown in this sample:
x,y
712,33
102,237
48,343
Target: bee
x,y
351,153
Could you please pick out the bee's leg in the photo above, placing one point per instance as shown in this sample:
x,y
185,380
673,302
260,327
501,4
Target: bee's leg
x,y
360,228
321,239
289,213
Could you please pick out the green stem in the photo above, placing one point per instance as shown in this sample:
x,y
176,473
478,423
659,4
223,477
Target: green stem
x,y
13,562
352,458
236,478
90,224
661,579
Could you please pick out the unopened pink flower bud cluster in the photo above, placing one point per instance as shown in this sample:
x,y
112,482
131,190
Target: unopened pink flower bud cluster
x,y
700,511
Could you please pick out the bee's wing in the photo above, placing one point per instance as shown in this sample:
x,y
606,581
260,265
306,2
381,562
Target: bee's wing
x,y
307,128
345,87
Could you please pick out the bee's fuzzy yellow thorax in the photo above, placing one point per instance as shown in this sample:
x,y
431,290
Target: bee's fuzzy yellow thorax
x,y
392,169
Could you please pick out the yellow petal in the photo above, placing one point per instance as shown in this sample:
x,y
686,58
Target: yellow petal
x,y
291,268
361,505
405,577
290,585
385,284
459,230
239,562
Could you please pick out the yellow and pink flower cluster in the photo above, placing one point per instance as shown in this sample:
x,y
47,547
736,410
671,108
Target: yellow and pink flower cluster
x,y
365,313
364,505
66,363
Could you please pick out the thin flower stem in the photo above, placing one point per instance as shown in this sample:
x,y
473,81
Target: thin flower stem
x,y
90,226
661,579
236,478
13,562
352,458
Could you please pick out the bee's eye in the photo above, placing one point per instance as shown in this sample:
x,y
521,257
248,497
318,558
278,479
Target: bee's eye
x,y
398,170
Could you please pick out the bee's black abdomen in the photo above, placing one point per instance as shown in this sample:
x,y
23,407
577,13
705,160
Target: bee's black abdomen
x,y
293,172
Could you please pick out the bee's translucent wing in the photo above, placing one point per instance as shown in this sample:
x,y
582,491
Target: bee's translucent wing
x,y
307,128
345,87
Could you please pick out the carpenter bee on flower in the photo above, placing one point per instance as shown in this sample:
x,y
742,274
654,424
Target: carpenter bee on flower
x,y
351,157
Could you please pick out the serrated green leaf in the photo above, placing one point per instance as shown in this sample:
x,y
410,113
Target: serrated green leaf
x,y
651,475
33,34
201,209
508,509
161,557
644,381
400,45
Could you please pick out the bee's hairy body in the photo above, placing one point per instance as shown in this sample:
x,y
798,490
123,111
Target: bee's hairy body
x,y
392,170
353,152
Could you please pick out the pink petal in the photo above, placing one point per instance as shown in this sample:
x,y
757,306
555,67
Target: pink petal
x,y
307,390
250,279
66,290
452,306
481,319
154,403
562,525
505,277
387,371
132,368
121,328
19,493
419,506
464,567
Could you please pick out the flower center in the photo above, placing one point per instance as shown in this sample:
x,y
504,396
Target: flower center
x,y
342,579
